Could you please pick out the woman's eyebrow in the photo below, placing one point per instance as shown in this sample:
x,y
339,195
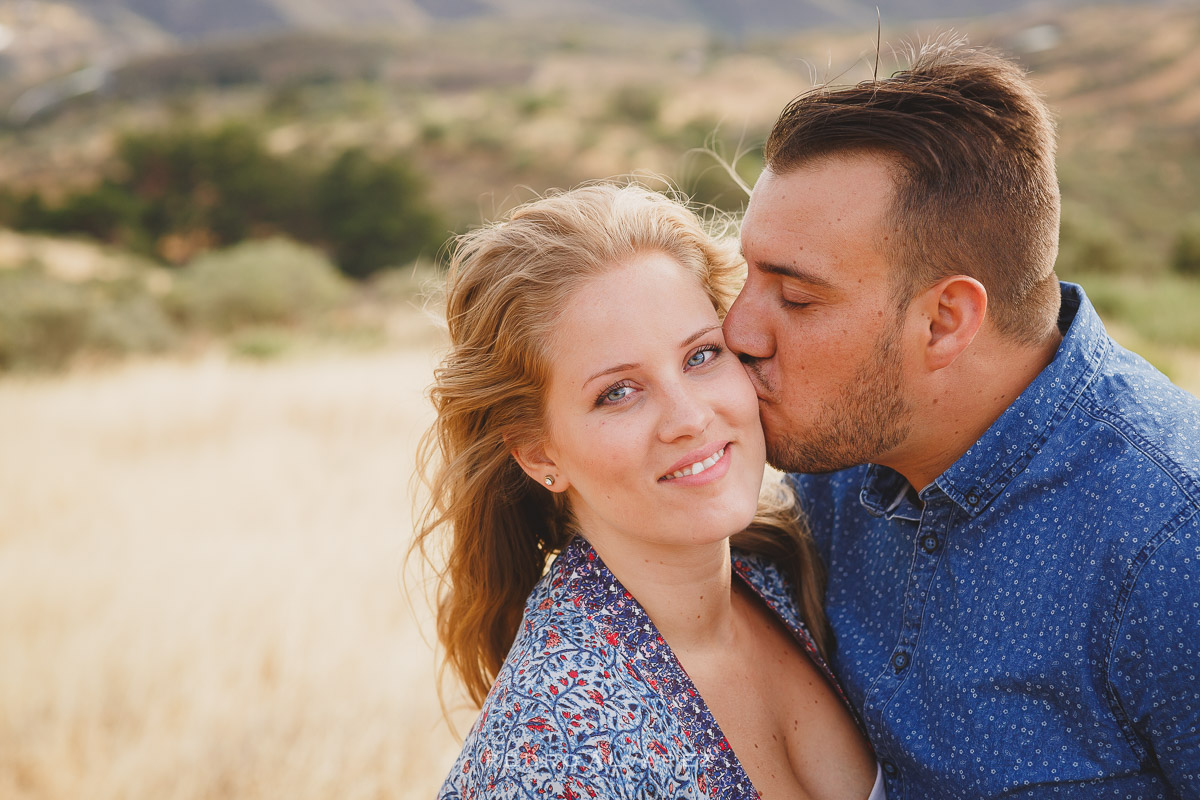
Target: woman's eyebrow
x,y
623,367
698,334
610,370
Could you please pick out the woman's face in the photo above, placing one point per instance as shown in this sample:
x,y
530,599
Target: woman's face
x,y
653,423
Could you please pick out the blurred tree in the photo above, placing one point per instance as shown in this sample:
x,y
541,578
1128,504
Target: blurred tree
x,y
222,181
179,192
374,213
31,213
108,213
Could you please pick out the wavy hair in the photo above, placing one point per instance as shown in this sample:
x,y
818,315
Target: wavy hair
x,y
496,529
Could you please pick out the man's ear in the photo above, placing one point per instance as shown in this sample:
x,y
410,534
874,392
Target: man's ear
x,y
537,464
953,309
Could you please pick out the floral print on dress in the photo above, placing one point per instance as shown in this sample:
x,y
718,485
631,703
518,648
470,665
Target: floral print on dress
x,y
592,703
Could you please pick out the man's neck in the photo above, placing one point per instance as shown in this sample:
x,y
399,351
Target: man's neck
x,y
964,403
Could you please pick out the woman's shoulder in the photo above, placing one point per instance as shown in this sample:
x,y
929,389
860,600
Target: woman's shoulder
x,y
569,711
776,587
770,581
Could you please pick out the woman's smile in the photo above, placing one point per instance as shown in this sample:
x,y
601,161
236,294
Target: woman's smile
x,y
701,469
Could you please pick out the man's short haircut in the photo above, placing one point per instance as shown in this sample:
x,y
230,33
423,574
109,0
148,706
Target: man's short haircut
x,y
973,146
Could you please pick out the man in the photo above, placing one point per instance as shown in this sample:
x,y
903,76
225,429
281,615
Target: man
x,y
1008,502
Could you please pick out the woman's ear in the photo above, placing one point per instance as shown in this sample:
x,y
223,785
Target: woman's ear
x,y
537,464
955,308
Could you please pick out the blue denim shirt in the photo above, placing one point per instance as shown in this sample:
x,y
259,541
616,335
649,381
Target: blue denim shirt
x,y
1029,626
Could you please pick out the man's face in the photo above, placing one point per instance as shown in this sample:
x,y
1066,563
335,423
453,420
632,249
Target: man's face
x,y
818,324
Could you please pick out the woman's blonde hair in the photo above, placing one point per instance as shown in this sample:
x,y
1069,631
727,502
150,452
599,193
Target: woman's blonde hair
x,y
506,285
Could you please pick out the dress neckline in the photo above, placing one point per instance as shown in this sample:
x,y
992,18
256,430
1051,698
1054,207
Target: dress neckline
x,y
581,572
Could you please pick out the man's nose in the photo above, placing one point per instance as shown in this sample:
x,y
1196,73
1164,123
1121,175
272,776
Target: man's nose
x,y
746,331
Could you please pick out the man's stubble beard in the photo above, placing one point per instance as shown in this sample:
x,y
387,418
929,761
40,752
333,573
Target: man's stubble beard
x,y
870,418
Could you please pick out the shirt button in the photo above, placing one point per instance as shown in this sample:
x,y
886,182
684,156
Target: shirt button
x,y
900,661
889,769
930,543
972,498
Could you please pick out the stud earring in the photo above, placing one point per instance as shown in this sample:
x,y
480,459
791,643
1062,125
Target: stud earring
x,y
549,480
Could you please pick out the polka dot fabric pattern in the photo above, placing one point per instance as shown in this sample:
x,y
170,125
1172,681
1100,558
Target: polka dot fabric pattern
x,y
1028,626
592,703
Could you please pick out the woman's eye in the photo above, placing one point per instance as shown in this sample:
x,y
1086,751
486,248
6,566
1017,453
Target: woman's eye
x,y
702,355
614,394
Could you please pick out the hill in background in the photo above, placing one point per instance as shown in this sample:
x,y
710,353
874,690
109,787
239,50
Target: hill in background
x,y
511,99
194,19
43,37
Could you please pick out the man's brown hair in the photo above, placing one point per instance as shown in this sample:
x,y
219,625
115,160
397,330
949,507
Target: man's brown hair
x,y
976,191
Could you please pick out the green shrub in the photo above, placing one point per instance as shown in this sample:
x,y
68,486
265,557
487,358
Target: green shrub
x,y
1161,309
269,282
405,286
43,322
1185,254
261,344
46,322
130,323
636,103
1087,245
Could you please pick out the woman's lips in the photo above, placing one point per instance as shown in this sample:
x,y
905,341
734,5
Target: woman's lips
x,y
704,470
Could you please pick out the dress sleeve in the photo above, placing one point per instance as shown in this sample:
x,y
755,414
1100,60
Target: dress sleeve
x,y
1156,648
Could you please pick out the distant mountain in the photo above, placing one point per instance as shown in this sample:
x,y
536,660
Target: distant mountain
x,y
41,39
191,20
197,19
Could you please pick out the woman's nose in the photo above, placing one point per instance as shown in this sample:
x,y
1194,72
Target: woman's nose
x,y
688,413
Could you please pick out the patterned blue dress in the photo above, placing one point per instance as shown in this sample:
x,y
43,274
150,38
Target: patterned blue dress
x,y
591,702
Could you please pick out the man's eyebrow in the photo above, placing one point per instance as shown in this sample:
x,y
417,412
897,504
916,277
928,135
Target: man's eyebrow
x,y
623,367
796,273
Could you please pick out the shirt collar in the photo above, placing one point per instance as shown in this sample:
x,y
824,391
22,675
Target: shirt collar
x,y
1005,449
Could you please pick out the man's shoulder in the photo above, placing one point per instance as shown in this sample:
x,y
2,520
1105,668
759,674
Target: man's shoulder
x,y
1155,424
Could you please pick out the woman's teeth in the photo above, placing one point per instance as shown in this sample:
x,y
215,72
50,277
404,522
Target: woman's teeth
x,y
696,468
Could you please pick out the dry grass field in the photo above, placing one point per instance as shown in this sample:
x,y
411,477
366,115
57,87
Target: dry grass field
x,y
200,584
201,588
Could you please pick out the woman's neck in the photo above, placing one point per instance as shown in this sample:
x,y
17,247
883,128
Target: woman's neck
x,y
685,590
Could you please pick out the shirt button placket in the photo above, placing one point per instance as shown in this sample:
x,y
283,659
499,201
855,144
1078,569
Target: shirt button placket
x,y
929,542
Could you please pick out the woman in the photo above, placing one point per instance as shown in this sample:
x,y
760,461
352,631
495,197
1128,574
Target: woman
x,y
588,408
